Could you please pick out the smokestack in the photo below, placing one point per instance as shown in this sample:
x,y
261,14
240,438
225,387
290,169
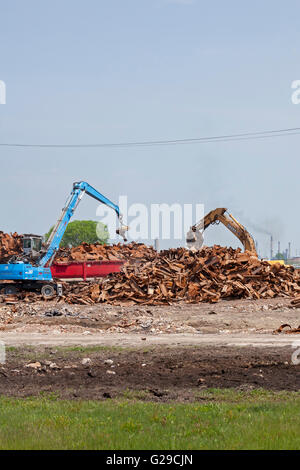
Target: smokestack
x,y
289,251
278,247
156,244
271,247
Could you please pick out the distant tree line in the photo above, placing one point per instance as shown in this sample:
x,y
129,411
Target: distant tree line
x,y
80,231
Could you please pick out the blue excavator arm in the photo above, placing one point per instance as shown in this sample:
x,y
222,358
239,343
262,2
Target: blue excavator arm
x,y
79,189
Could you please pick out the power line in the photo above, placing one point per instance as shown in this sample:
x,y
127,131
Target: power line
x,y
150,143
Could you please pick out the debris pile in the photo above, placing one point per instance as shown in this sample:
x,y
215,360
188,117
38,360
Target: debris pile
x,y
96,252
10,245
178,274
283,329
295,303
153,278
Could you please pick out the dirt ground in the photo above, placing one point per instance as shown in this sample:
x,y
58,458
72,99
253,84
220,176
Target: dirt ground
x,y
155,373
235,316
152,353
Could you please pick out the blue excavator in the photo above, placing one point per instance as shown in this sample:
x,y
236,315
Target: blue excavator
x,y
31,270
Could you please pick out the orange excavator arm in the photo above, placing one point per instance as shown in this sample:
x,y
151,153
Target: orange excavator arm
x,y
195,238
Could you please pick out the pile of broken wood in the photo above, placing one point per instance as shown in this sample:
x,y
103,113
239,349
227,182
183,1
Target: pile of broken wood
x,y
178,274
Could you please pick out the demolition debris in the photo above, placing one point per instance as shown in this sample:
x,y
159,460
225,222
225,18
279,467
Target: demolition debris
x,y
152,278
10,245
179,274
283,329
97,252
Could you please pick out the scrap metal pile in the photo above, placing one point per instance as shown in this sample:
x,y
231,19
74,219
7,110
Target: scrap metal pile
x,y
96,252
10,245
149,277
179,274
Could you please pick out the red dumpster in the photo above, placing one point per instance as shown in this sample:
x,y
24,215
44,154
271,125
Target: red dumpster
x,y
85,270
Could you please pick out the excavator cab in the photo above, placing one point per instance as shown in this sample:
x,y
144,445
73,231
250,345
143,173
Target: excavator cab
x,y
32,244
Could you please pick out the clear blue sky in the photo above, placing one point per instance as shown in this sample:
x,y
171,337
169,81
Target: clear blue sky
x,y
122,70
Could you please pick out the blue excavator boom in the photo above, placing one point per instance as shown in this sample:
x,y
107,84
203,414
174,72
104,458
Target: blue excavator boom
x,y
79,189
32,275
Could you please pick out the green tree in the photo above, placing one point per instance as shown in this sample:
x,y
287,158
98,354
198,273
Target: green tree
x,y
80,231
279,256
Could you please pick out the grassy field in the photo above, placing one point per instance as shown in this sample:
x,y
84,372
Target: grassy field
x,y
218,420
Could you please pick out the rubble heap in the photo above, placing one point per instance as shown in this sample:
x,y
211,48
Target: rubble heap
x,y
10,245
178,274
95,252
148,277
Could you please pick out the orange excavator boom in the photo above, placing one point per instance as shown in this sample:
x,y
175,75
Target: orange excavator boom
x,y
194,237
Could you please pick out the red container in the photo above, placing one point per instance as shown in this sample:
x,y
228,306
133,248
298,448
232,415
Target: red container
x,y
88,269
